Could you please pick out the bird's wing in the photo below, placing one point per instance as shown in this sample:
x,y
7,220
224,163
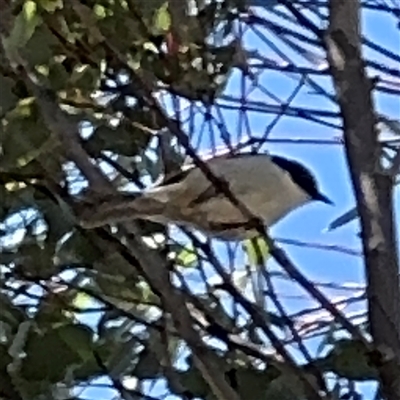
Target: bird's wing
x,y
178,176
210,193
114,208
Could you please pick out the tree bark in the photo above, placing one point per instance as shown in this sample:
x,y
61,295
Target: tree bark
x,y
373,187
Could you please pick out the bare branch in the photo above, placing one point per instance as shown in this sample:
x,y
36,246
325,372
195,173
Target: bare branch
x,y
373,187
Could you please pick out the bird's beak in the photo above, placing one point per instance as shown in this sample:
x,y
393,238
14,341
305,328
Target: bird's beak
x,y
324,199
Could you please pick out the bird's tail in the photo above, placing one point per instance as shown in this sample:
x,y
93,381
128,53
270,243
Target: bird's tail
x,y
118,208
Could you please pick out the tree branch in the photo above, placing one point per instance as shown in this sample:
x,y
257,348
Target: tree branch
x,y
373,187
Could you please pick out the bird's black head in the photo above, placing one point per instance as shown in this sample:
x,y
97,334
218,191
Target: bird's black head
x,y
302,177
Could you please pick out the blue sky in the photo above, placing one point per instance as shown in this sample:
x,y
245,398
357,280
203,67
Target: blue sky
x,y
326,161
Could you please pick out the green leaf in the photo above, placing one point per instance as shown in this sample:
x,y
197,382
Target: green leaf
x,y
10,314
51,5
194,383
58,222
40,47
37,261
58,76
24,27
257,251
116,287
187,257
13,198
125,139
48,357
77,249
81,300
349,359
100,11
286,387
8,389
79,338
26,138
8,99
85,78
162,19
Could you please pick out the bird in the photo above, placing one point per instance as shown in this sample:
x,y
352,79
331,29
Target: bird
x,y
269,186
